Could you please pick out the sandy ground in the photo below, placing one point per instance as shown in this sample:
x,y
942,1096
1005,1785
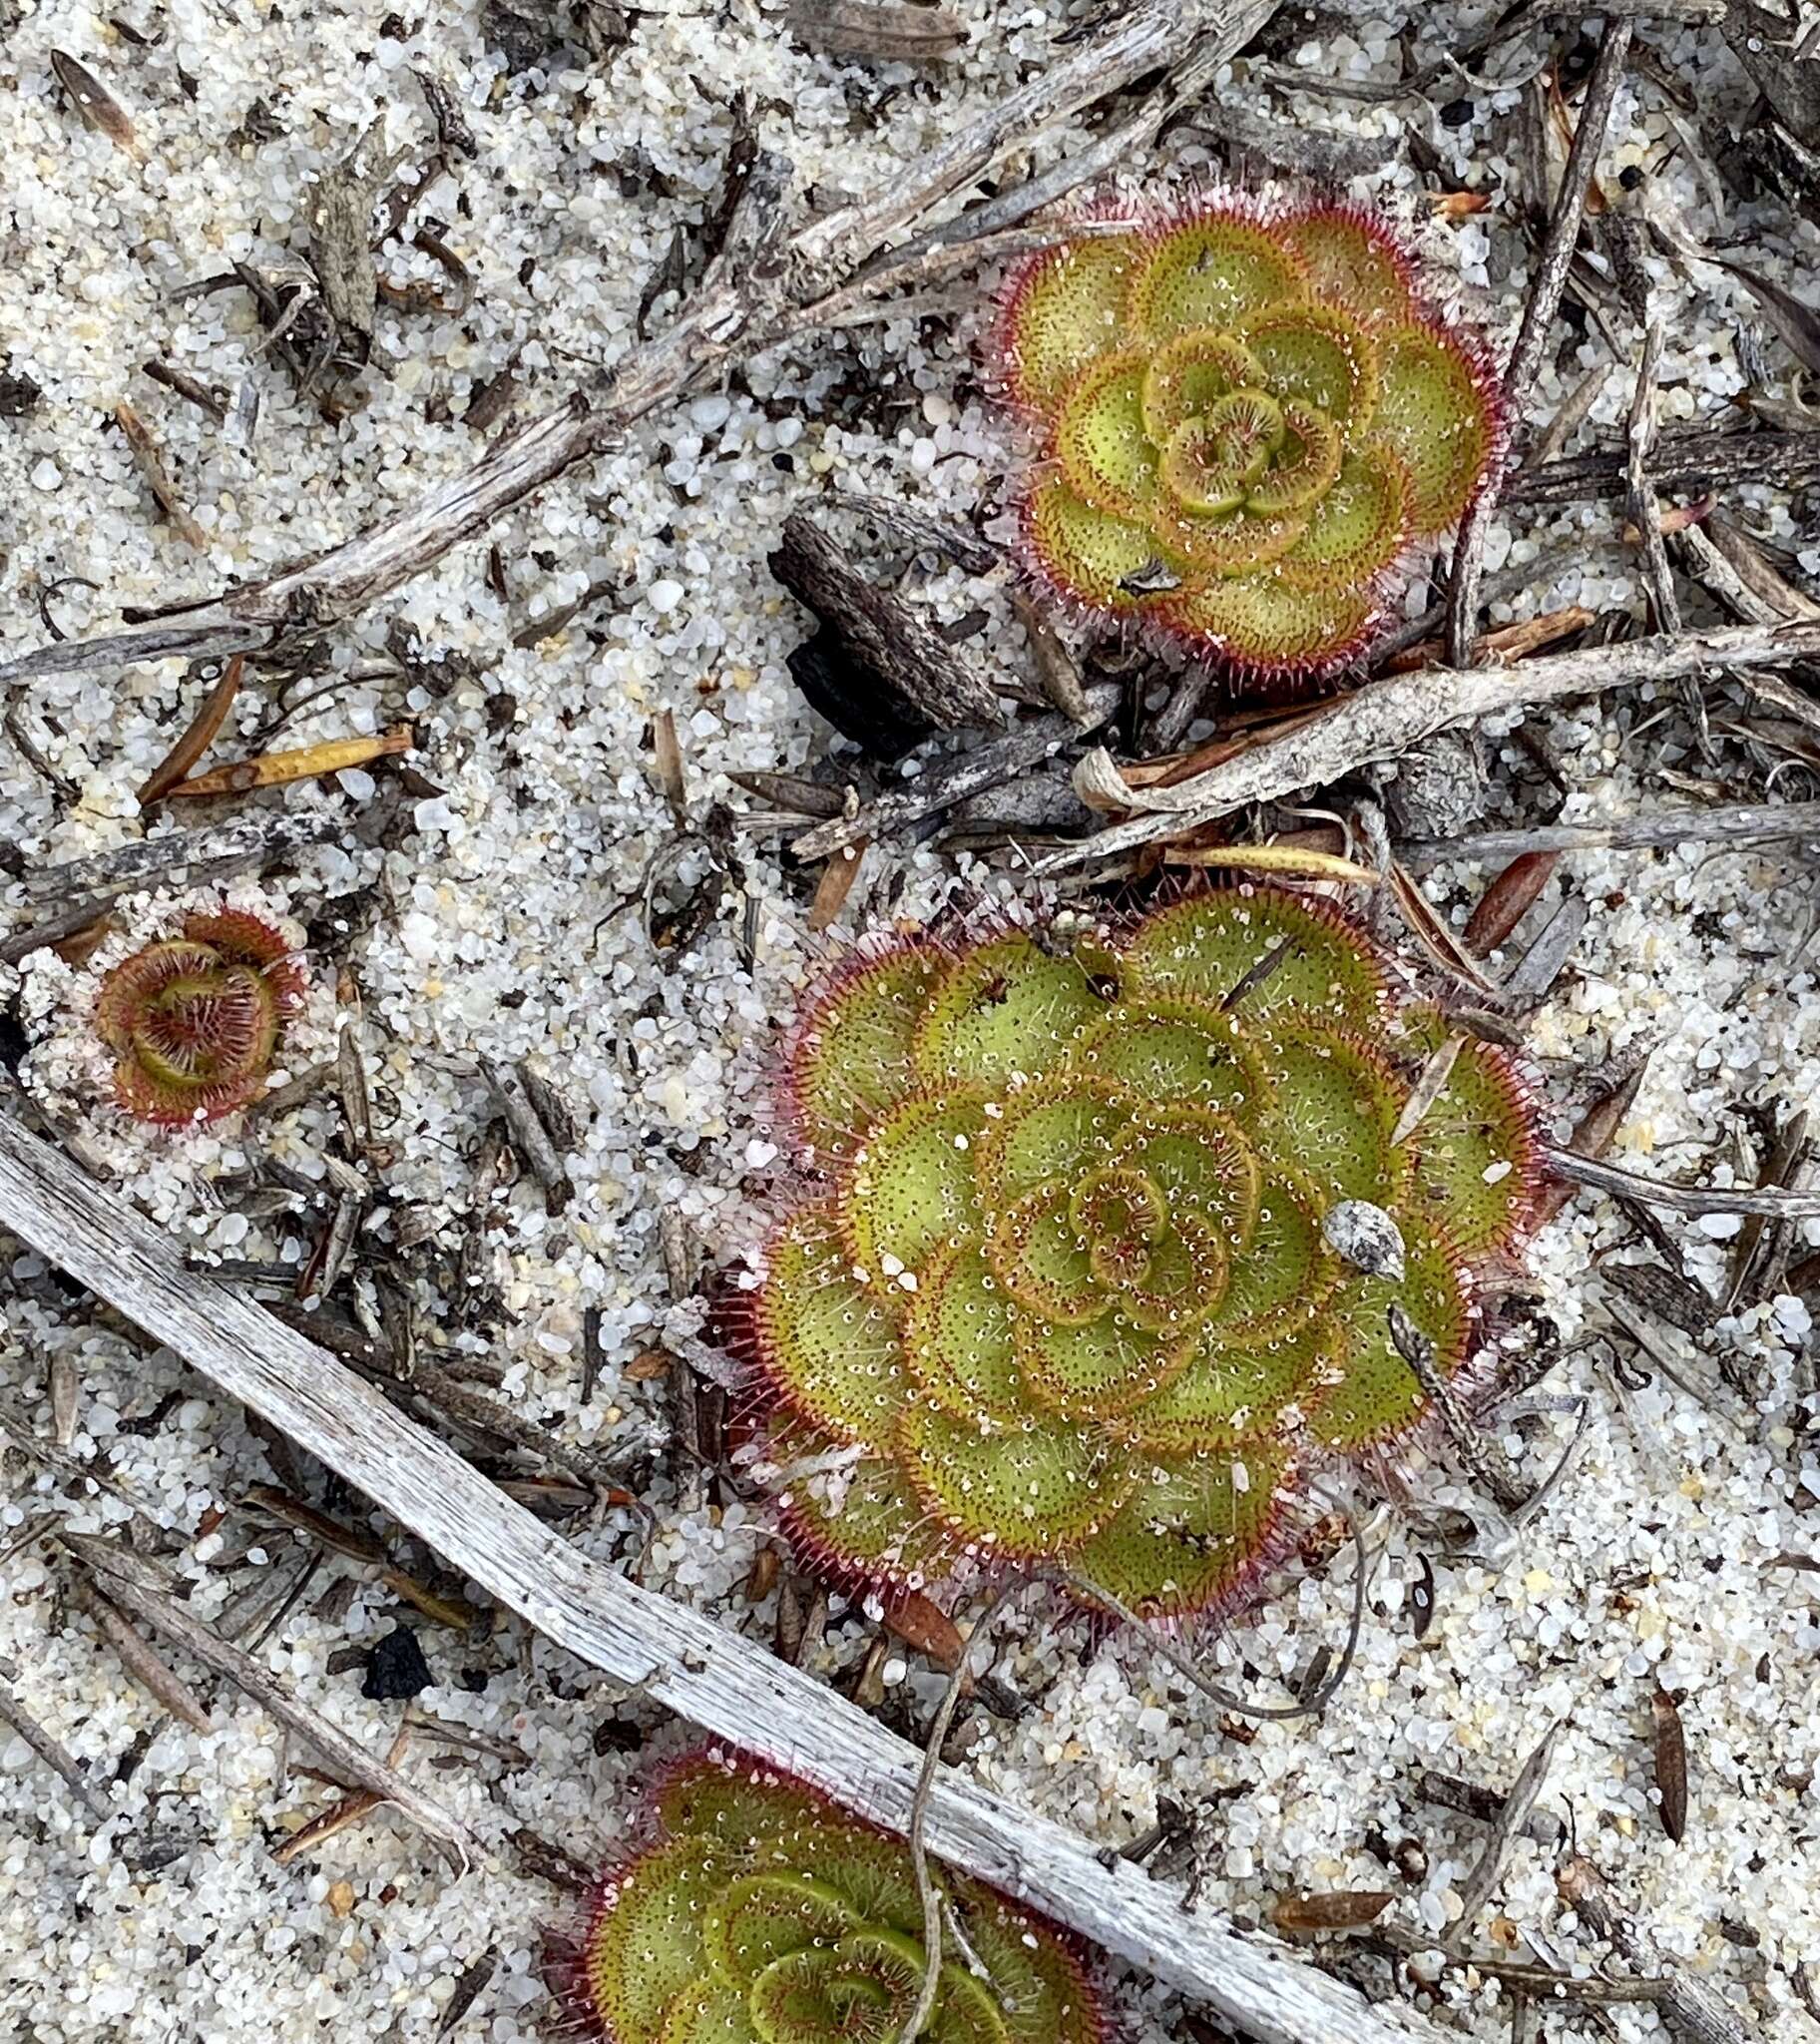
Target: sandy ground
x,y
497,926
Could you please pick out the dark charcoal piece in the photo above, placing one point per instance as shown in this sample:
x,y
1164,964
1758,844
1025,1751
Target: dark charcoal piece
x,y
876,718
523,40
875,671
395,1668
18,395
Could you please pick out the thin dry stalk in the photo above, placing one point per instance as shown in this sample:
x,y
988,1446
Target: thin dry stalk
x,y
143,1589
1548,282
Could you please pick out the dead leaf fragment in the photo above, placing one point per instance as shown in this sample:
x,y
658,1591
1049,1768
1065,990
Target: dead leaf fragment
x,y
96,105
197,739
1505,902
1671,1763
1332,1909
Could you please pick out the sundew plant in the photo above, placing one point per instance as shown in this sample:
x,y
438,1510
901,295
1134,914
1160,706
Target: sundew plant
x,y
1067,1290
758,1914
1245,416
194,1021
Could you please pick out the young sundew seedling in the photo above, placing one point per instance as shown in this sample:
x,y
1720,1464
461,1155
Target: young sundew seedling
x,y
1071,1290
1248,415
760,1913
194,1021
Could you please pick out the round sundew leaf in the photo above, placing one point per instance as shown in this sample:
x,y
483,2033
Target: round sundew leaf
x,y
1194,1533
761,1916
1436,417
910,1190
1225,546
1210,943
1064,310
859,1991
1305,469
1104,1370
1264,625
1476,1148
966,2013
1041,1259
137,981
1228,1395
958,1344
1286,1273
851,1055
865,1522
1358,528
708,2013
1004,1006
221,1024
1352,260
1083,552
1037,1982
1039,1487
874,1873
1208,273
1173,1049
646,1947
825,1339
1335,1104
1319,356
1377,1395
1207,1166
1188,375
1099,440
1183,1282
1054,1128
728,1804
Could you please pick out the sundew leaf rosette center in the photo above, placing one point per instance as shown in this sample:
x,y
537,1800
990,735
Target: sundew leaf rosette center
x,y
760,1913
1061,1291
1246,416
194,1020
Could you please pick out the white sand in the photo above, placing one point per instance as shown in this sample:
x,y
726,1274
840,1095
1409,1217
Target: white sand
x,y
1650,1565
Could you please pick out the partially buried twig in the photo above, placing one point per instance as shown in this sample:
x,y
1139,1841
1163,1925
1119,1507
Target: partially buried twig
x,y
14,1714
1386,716
1740,824
145,1590
1776,1202
1543,302
950,780
1693,2006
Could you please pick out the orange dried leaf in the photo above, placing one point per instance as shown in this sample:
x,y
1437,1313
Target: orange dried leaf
x,y
308,762
921,1623
197,739
1333,1909
1295,860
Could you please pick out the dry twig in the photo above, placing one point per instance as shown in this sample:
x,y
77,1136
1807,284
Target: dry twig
x,y
1546,282
1387,717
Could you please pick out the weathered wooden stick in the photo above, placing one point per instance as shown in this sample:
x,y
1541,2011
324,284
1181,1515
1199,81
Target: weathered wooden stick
x,y
1387,717
1690,458
683,1660
1737,823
